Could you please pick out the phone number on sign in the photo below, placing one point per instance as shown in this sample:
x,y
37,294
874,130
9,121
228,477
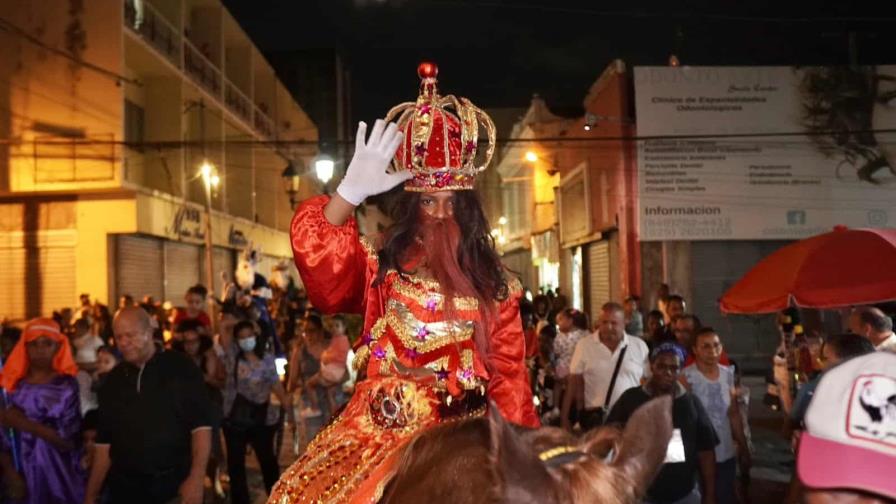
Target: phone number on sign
x,y
689,228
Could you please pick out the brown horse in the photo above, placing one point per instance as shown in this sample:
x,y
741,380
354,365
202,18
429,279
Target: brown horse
x,y
489,461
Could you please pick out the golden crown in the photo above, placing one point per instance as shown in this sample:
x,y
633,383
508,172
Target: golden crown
x,y
440,146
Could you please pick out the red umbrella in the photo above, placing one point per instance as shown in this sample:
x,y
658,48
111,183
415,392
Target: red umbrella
x,y
841,268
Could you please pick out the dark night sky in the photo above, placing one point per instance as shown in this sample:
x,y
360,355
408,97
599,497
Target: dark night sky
x,y
499,53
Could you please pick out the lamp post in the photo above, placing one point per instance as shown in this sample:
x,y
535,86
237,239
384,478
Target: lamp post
x,y
210,180
291,182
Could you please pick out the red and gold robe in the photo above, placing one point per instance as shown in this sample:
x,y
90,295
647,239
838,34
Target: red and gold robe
x,y
352,459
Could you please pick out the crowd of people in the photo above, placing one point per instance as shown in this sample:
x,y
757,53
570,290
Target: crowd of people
x,y
80,386
590,374
155,402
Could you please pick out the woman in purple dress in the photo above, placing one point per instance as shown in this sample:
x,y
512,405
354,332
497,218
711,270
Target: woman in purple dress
x,y
43,409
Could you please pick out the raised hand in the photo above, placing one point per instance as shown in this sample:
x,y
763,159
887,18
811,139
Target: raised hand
x,y
366,175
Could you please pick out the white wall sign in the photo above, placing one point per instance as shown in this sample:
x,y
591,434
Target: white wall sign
x,y
811,148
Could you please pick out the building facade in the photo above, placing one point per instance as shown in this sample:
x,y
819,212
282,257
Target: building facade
x,y
109,109
527,226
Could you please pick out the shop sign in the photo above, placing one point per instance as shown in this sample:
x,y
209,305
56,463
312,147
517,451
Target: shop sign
x,y
187,224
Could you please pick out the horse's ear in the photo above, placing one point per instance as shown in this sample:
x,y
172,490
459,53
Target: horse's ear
x,y
644,441
522,478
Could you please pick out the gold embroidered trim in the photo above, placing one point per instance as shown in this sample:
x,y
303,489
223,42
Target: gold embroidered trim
x,y
466,362
369,247
425,337
440,364
429,292
362,357
514,286
386,361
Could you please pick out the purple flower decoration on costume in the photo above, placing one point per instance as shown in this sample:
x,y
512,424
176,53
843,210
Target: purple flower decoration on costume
x,y
431,304
425,109
411,353
465,374
442,374
420,149
367,338
422,333
379,352
470,147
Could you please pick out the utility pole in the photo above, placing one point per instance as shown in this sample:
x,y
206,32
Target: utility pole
x,y
209,179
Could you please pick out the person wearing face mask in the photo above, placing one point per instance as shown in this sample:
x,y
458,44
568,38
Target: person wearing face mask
x,y
250,418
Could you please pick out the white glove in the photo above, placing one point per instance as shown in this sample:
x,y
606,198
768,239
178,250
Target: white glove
x,y
366,174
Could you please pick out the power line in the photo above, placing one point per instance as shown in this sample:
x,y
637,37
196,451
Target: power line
x,y
163,144
15,30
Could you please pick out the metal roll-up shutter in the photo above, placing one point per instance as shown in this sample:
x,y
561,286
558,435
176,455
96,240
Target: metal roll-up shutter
x,y
57,267
181,269
139,267
12,278
222,261
598,274
36,283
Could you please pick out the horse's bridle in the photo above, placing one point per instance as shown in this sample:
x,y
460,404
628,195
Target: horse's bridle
x,y
560,455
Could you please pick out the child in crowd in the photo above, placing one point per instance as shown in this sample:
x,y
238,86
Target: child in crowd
x,y
194,309
106,360
333,368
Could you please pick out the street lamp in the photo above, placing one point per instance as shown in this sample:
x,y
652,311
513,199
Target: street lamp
x,y
323,168
291,181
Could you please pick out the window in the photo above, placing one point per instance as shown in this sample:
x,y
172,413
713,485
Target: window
x,y
133,125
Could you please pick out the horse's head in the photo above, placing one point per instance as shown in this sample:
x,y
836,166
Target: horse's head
x,y
606,465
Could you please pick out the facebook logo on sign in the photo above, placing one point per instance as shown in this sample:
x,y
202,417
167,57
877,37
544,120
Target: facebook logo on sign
x,y
796,217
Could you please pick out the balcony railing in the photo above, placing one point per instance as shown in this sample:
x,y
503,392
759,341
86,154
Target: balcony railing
x,y
263,123
144,20
238,102
203,71
147,22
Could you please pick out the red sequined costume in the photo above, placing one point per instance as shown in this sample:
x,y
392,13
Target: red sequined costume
x,y
351,459
405,329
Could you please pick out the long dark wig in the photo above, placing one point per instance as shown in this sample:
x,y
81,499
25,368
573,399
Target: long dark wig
x,y
476,252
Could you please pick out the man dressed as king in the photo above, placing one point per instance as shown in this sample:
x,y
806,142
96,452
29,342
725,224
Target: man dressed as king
x,y
442,333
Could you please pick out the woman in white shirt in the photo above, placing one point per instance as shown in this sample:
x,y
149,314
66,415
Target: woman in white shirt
x,y
572,325
85,345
